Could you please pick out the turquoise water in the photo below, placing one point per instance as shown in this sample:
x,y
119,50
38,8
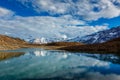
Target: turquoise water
x,y
39,64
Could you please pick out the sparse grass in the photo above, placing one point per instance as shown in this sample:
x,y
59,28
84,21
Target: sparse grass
x,y
7,42
112,46
64,44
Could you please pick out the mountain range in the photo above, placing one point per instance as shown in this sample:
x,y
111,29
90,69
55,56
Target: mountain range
x,y
33,37
111,46
98,37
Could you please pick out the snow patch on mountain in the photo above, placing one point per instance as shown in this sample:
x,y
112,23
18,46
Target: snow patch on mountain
x,y
98,37
39,41
47,27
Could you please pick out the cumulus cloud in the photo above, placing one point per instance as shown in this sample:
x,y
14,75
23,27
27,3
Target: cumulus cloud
x,y
106,9
116,3
5,13
96,8
53,8
45,26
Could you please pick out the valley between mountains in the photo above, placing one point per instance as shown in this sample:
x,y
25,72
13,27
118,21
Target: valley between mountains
x,y
110,46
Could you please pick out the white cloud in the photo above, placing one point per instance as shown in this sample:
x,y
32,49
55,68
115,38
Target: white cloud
x,y
116,2
93,10
46,26
107,10
5,13
86,9
51,6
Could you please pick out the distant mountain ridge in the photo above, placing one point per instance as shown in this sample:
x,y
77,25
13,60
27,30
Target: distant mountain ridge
x,y
112,46
98,37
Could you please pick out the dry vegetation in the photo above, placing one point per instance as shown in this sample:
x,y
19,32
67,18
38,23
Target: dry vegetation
x,y
112,46
64,44
57,45
11,43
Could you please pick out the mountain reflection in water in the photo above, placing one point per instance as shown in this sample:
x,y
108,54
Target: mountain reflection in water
x,y
7,55
54,64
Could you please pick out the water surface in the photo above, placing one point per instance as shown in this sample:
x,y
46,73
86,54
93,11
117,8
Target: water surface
x,y
53,64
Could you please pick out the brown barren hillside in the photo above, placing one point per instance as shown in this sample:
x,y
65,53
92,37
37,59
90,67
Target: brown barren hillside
x,y
64,44
57,45
7,42
112,46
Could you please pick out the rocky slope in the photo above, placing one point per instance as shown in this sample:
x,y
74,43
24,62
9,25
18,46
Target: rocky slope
x,y
98,37
112,46
7,42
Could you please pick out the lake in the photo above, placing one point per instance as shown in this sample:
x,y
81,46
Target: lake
x,y
39,64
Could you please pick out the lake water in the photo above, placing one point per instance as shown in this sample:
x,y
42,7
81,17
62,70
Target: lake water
x,y
38,64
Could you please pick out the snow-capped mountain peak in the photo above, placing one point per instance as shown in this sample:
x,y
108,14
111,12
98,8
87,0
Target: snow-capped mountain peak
x,y
98,37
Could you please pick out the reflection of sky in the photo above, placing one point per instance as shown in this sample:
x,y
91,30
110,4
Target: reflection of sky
x,y
50,64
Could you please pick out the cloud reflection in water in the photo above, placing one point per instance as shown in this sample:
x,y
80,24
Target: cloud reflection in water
x,y
54,64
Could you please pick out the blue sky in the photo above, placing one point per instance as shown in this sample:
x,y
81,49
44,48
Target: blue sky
x,y
66,14
25,8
